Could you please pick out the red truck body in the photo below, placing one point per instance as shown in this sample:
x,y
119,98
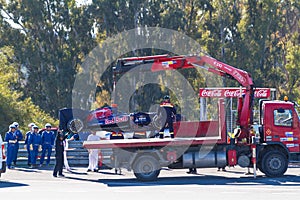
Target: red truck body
x,y
207,143
280,124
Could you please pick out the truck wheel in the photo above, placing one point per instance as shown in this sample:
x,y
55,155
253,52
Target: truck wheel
x,y
274,163
146,168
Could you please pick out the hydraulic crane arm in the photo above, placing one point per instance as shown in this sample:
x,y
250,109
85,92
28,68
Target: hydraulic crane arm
x,y
245,107
245,103
219,68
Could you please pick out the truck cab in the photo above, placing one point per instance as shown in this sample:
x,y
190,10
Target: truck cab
x,y
280,124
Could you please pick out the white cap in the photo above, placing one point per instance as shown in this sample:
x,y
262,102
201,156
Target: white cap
x,y
35,126
16,124
47,125
31,124
12,126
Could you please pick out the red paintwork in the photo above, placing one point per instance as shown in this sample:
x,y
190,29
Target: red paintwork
x,y
288,135
101,113
232,157
196,129
3,151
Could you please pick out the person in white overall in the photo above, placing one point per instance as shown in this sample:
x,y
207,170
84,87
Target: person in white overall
x,y
93,153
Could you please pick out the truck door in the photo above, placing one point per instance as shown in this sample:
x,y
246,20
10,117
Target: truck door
x,y
284,128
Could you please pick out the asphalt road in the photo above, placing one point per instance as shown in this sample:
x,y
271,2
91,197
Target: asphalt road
x,y
24,183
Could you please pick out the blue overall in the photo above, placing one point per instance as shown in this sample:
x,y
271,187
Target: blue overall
x,y
19,137
28,146
34,140
9,138
47,143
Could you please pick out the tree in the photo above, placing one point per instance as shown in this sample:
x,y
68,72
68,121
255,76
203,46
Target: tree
x,y
292,77
13,106
265,33
51,39
50,42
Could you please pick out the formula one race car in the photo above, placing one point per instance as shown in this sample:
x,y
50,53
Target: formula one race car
x,y
106,119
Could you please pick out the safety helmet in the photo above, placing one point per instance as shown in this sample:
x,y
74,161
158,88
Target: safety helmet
x,y
31,124
35,127
16,124
167,97
12,126
47,125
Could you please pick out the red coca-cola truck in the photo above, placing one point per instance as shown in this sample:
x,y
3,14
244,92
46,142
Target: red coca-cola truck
x,y
202,144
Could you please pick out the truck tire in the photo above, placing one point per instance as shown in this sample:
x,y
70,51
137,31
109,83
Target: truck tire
x,y
146,168
274,163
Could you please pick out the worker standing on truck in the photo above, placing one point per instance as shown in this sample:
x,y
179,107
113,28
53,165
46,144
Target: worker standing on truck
x,y
167,114
11,140
19,137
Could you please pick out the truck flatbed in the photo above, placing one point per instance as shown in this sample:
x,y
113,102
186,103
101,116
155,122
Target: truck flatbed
x,y
152,142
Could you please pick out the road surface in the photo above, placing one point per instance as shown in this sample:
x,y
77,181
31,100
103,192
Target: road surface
x,y
25,183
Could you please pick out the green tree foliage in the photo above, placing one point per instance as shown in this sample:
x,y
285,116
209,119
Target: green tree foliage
x,y
51,38
12,104
292,82
266,29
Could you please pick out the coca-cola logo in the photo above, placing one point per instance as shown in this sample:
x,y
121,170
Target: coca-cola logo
x,y
211,93
233,92
262,93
